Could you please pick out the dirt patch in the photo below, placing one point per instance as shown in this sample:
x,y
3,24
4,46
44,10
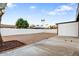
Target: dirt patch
x,y
76,53
14,41
8,45
29,38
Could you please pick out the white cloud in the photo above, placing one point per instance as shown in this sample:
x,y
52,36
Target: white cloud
x,y
60,10
72,4
32,7
64,8
51,13
11,5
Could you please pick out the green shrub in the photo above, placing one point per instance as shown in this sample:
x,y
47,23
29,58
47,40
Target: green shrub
x,y
21,23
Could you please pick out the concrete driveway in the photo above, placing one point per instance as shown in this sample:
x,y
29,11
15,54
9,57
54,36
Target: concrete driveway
x,y
55,46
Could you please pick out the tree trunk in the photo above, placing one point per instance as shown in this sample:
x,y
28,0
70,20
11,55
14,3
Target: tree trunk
x,y
1,41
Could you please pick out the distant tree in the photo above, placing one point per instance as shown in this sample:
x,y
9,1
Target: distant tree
x,y
32,26
37,25
53,26
21,23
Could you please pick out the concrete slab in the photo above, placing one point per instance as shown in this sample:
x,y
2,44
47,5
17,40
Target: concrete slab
x,y
54,46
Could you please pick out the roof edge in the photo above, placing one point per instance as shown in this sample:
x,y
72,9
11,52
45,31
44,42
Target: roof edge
x,y
66,22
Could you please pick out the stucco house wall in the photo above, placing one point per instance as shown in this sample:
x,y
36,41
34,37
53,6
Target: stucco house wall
x,y
69,29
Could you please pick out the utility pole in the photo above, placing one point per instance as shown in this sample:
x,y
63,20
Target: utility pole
x,y
77,19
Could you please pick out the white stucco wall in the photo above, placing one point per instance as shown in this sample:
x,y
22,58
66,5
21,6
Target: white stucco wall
x,y
68,29
10,31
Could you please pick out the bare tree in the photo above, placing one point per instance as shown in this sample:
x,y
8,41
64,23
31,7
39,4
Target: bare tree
x,y
2,7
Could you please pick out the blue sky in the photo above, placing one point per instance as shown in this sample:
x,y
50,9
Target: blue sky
x,y
34,12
